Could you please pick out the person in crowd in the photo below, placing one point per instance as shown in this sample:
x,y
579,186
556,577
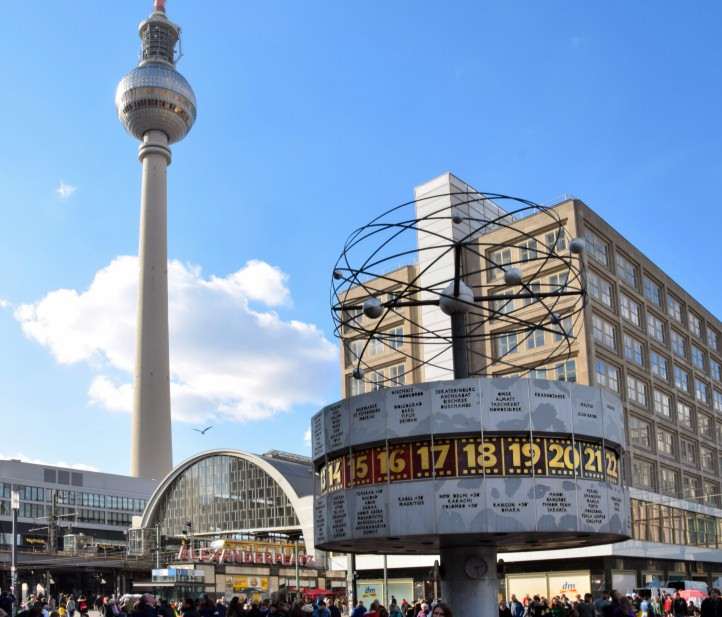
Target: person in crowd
x,y
188,609
374,609
441,610
360,610
516,607
334,607
679,606
221,608
234,608
711,605
6,602
504,610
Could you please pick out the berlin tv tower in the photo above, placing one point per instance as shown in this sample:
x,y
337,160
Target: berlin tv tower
x,y
157,106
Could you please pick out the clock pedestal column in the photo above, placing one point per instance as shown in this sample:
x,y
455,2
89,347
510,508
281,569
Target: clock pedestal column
x,y
469,584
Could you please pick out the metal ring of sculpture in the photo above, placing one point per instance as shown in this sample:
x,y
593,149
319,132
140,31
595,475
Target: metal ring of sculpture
x,y
372,251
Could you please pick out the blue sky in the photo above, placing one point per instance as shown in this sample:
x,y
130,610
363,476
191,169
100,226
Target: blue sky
x,y
312,118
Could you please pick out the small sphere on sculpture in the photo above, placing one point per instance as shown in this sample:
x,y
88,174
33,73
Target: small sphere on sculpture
x,y
577,246
512,276
461,303
372,308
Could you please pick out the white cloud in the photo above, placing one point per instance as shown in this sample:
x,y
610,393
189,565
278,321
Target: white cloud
x,y
37,461
65,191
307,438
228,360
4,303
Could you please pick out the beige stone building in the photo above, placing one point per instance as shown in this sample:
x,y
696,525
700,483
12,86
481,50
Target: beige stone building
x,y
641,335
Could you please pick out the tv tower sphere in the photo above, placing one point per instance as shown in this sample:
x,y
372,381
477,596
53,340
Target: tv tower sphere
x,y
157,106
154,95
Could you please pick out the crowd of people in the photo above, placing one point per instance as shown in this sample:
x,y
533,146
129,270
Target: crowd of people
x,y
148,606
612,605
609,605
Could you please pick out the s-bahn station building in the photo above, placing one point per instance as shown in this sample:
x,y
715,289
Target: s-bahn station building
x,y
640,335
233,523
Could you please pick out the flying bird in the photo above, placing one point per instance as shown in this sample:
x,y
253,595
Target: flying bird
x,y
203,431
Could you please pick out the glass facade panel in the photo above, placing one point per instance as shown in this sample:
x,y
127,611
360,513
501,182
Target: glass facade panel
x,y
224,493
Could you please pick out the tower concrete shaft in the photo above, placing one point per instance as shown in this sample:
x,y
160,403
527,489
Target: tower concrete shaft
x,y
151,449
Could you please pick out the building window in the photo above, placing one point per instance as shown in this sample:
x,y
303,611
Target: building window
x,y
397,375
717,399
607,375
704,425
377,380
695,324
533,288
662,404
706,458
691,491
643,473
629,309
565,329
655,328
504,306
499,259
626,270
597,248
354,349
396,337
600,289
558,282
652,291
633,350
697,357
351,320
684,415
712,339
377,346
506,344
535,339
714,370
556,239
701,392
527,250
711,494
679,346
639,432
674,308
665,442
718,426
668,481
681,378
566,371
603,332
636,391
659,365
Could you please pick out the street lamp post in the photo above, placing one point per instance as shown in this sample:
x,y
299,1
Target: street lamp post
x,y
298,575
15,506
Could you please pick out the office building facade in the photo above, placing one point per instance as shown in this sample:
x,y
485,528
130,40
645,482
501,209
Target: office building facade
x,y
84,503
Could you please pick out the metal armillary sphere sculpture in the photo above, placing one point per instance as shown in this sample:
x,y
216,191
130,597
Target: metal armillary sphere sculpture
x,y
463,267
